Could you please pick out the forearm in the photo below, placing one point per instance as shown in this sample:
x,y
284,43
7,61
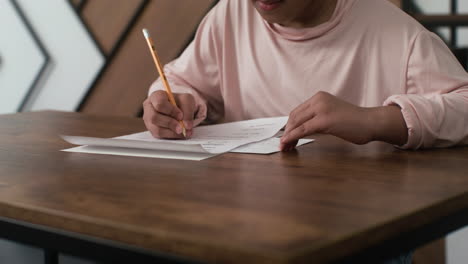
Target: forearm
x,y
434,121
388,125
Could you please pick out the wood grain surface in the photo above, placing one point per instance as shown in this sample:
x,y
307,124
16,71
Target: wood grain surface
x,y
325,201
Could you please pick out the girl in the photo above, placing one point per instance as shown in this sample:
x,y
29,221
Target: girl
x,y
361,70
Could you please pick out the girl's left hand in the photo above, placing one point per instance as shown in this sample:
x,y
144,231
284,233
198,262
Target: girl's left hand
x,y
327,114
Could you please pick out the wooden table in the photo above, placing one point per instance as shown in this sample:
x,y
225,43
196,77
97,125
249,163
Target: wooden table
x,y
327,202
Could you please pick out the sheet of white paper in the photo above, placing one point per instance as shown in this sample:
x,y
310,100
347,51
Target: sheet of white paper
x,y
206,140
146,153
122,142
223,137
267,146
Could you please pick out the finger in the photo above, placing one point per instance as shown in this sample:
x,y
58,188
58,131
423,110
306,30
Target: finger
x,y
186,103
189,133
300,131
292,145
289,146
148,113
164,121
163,133
299,116
318,103
283,147
160,102
151,117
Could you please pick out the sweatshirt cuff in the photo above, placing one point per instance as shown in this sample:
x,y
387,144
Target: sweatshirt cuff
x,y
200,103
411,118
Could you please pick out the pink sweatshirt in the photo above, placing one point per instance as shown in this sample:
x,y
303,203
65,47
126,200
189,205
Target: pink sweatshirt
x,y
370,54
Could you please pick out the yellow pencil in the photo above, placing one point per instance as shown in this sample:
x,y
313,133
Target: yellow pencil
x,y
161,73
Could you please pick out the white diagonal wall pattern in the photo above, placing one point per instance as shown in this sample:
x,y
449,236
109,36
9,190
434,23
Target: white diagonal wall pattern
x,y
21,58
75,60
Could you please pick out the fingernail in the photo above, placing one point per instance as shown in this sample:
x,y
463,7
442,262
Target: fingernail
x,y
178,129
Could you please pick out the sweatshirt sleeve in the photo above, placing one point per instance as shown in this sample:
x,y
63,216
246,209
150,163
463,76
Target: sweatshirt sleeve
x,y
435,106
196,70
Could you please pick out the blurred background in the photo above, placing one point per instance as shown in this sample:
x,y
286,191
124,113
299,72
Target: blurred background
x,y
90,56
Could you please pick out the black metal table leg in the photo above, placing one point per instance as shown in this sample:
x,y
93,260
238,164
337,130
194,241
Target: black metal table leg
x,y
50,256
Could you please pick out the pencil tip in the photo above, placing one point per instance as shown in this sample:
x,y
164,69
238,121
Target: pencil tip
x,y
145,32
